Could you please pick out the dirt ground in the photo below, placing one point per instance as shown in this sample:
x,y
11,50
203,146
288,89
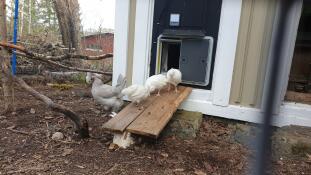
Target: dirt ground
x,y
26,146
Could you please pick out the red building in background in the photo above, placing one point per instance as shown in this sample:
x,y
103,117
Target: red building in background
x,y
102,42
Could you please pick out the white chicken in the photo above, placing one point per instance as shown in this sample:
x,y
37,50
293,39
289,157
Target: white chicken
x,y
108,96
156,82
136,93
173,77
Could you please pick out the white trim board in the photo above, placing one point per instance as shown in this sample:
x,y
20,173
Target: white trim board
x,y
120,45
143,39
225,53
290,114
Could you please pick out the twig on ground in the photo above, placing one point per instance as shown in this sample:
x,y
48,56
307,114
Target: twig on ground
x,y
111,169
11,128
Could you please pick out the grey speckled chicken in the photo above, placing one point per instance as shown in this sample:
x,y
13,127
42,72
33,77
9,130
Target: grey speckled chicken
x,y
110,97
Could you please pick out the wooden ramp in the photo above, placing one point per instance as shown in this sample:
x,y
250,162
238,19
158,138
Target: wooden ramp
x,y
150,118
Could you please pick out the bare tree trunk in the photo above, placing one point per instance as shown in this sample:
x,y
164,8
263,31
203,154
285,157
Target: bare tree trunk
x,y
22,5
7,82
69,22
29,16
12,17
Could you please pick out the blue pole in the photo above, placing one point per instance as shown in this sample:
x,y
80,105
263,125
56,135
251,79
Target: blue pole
x,y
15,37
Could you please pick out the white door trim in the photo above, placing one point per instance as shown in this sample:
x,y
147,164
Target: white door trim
x,y
225,53
142,41
120,45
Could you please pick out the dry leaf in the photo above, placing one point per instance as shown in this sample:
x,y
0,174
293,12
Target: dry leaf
x,y
179,170
37,156
113,146
67,151
199,172
79,166
164,155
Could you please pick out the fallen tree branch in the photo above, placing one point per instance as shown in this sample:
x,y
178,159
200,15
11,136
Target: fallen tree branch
x,y
81,126
30,56
47,59
56,58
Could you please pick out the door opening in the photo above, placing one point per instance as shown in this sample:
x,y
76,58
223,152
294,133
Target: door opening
x,y
299,85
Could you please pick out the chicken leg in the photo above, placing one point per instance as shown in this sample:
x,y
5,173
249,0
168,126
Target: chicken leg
x,y
169,87
176,89
159,93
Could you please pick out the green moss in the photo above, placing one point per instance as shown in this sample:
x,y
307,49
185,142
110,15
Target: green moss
x,y
62,86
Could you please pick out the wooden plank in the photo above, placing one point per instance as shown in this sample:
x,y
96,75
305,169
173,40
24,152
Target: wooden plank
x,y
153,120
127,116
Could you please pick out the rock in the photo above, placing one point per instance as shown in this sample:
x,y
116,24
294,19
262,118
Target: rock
x,y
291,140
2,117
184,124
32,111
57,136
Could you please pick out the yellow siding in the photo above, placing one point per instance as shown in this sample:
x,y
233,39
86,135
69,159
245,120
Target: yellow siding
x,y
131,36
252,51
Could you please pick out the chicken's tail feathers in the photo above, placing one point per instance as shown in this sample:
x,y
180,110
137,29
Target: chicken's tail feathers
x,y
121,83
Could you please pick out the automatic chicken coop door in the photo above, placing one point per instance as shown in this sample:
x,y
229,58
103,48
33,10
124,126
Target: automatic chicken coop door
x,y
184,36
191,55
